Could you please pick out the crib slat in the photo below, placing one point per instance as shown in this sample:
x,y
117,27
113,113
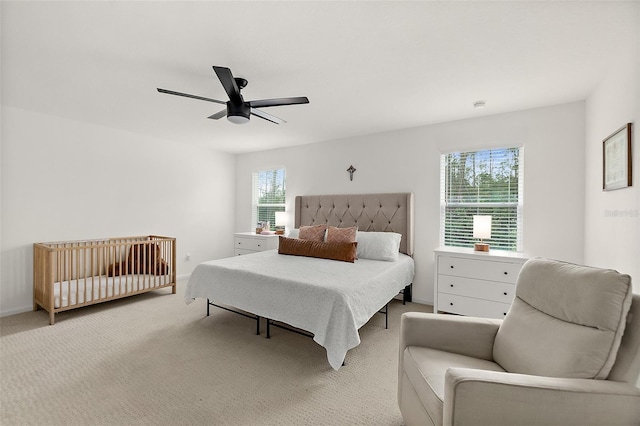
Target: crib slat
x,y
59,258
67,276
92,270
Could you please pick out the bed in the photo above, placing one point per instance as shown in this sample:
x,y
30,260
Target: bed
x,y
329,299
72,274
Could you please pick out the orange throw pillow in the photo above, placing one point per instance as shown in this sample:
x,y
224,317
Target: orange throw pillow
x,y
313,232
341,235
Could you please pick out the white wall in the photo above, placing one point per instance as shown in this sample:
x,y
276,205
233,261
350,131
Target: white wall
x,y
409,160
612,218
64,180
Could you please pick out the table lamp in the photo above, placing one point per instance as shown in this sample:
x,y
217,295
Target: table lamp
x,y
281,222
481,229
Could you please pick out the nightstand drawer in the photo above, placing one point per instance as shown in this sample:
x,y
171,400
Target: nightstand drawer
x,y
239,251
489,290
248,242
479,269
472,307
254,244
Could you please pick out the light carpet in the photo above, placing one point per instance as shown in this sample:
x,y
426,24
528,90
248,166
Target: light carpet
x,y
152,359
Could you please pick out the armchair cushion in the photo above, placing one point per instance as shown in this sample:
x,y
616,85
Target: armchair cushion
x,y
566,321
425,369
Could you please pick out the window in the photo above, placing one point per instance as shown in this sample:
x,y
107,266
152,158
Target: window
x,y
268,196
487,182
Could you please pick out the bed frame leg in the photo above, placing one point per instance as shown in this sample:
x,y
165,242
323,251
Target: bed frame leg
x,y
208,304
257,324
174,288
406,294
52,318
268,329
386,316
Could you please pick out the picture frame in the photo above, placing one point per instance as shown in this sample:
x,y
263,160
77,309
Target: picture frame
x,y
616,159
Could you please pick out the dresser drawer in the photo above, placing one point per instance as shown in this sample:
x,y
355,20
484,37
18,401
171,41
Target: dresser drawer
x,y
472,307
489,290
479,269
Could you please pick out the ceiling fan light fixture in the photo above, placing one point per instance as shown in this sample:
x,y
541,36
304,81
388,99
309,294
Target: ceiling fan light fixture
x,y
238,119
238,114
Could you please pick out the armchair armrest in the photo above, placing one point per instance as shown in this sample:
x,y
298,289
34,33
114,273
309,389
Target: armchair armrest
x,y
478,397
462,335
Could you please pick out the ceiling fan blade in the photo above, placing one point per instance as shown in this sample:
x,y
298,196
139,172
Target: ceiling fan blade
x,y
186,95
262,103
268,117
229,84
218,115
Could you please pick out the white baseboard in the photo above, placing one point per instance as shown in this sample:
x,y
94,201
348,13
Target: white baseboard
x,y
422,302
16,311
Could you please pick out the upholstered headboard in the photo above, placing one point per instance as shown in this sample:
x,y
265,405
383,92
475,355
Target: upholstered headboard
x,y
392,212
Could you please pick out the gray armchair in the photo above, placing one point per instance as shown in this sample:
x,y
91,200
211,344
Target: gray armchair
x,y
567,353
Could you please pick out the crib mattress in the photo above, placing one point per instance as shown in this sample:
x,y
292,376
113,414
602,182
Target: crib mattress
x,y
99,288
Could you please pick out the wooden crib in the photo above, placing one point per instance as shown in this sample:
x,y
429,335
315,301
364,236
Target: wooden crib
x,y
72,274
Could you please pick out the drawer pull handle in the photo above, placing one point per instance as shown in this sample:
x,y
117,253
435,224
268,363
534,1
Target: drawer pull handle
x,y
451,303
258,245
504,313
451,266
451,285
506,273
505,293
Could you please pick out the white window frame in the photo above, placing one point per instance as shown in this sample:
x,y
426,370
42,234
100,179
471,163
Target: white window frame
x,y
461,232
259,187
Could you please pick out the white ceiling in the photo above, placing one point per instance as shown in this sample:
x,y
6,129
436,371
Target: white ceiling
x,y
366,67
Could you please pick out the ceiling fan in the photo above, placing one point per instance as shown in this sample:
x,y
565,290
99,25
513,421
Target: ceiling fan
x,y
238,110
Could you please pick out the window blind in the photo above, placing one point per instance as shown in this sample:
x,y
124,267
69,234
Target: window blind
x,y
268,196
488,182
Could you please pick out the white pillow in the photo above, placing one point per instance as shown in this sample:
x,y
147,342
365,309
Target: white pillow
x,y
293,233
378,245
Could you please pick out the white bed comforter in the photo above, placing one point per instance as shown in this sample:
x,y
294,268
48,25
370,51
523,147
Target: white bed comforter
x,y
328,298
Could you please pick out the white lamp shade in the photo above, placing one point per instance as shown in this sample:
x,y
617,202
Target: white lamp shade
x,y
282,218
481,227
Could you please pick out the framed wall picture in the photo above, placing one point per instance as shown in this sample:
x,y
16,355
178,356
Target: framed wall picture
x,y
616,159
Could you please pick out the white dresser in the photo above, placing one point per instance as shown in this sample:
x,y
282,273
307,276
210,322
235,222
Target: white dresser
x,y
250,242
480,284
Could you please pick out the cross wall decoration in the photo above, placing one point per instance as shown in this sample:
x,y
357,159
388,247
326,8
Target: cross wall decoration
x,y
351,170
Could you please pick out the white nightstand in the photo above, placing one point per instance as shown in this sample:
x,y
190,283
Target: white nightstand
x,y
480,284
250,242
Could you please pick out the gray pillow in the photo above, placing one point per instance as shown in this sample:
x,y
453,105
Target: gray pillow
x,y
566,320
